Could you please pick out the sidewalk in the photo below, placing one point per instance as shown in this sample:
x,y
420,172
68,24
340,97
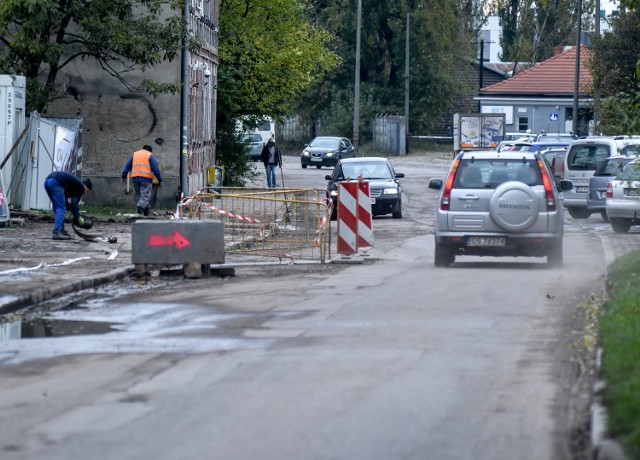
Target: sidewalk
x,y
34,268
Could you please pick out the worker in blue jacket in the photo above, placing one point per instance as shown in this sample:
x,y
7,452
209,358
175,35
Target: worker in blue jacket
x,y
65,191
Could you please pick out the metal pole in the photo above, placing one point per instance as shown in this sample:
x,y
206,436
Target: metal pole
x,y
480,72
184,103
576,86
356,103
407,141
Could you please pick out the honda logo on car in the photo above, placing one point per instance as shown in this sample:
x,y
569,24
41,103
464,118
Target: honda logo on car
x,y
514,206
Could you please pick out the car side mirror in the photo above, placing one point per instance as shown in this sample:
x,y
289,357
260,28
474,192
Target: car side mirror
x,y
436,184
327,177
399,175
566,184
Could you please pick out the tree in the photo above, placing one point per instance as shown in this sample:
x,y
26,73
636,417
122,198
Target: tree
x,y
271,52
440,40
615,68
531,29
41,37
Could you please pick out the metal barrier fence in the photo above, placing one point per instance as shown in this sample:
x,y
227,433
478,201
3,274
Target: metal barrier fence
x,y
284,223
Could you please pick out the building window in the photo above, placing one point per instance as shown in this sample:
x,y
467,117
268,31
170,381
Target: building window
x,y
523,124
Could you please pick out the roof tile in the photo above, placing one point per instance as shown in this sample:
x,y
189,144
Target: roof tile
x,y
555,76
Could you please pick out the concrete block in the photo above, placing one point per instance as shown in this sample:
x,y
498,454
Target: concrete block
x,y
175,242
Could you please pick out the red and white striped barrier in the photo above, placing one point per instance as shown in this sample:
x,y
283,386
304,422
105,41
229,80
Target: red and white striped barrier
x,y
347,218
365,227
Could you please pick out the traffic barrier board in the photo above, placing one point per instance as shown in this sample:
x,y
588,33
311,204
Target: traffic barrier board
x,y
347,218
365,227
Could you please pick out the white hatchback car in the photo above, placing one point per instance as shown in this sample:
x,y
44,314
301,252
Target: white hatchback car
x,y
499,204
623,198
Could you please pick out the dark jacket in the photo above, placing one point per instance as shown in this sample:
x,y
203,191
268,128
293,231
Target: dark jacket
x,y
264,156
73,190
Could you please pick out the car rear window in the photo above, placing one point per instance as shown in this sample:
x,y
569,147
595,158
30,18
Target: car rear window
x,y
489,173
587,157
630,172
611,167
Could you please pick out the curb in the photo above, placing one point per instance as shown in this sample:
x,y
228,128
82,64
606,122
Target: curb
x,y
12,303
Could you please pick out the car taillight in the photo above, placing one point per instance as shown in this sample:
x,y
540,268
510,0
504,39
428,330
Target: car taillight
x,y
445,200
609,190
548,191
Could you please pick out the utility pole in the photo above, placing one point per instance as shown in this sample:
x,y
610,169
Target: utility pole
x,y
356,102
184,103
576,86
480,71
407,141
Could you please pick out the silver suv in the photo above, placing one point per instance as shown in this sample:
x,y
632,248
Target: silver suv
x,y
499,204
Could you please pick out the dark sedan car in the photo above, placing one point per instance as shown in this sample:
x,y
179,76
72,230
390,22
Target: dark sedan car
x,y
384,188
606,171
326,151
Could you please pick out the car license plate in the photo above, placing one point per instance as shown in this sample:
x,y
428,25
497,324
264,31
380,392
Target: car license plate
x,y
632,191
582,189
373,201
316,159
491,241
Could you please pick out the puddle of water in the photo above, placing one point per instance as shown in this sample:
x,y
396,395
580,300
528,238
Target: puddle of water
x,y
33,328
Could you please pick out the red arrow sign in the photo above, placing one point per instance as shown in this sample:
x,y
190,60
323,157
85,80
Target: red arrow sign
x,y
177,238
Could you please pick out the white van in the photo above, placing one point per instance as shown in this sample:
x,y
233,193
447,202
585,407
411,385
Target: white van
x,y
580,162
266,128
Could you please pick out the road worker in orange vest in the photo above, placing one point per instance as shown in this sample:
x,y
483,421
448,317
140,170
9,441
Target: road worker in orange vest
x,y
143,168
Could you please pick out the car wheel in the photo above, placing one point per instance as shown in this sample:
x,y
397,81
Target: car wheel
x,y
397,212
620,226
304,166
604,216
443,256
579,213
554,256
318,166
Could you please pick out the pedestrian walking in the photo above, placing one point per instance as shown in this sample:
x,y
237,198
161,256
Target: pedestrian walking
x,y
272,160
143,168
65,191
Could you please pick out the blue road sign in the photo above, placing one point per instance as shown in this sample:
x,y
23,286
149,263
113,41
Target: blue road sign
x,y
553,116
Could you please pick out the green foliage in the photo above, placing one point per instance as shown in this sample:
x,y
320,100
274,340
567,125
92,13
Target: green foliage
x,y
620,332
41,37
270,53
233,153
441,37
614,66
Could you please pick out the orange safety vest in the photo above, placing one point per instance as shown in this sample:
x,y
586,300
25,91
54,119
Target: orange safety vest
x,y
140,166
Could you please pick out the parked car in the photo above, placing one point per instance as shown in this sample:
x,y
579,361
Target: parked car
x,y
623,198
514,145
255,142
384,187
326,151
581,161
555,137
499,204
605,172
555,158
544,145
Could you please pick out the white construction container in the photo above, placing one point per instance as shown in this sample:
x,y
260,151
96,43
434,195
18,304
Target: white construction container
x,y
13,97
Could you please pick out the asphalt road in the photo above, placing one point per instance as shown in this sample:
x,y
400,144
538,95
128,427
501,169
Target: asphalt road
x,y
391,359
